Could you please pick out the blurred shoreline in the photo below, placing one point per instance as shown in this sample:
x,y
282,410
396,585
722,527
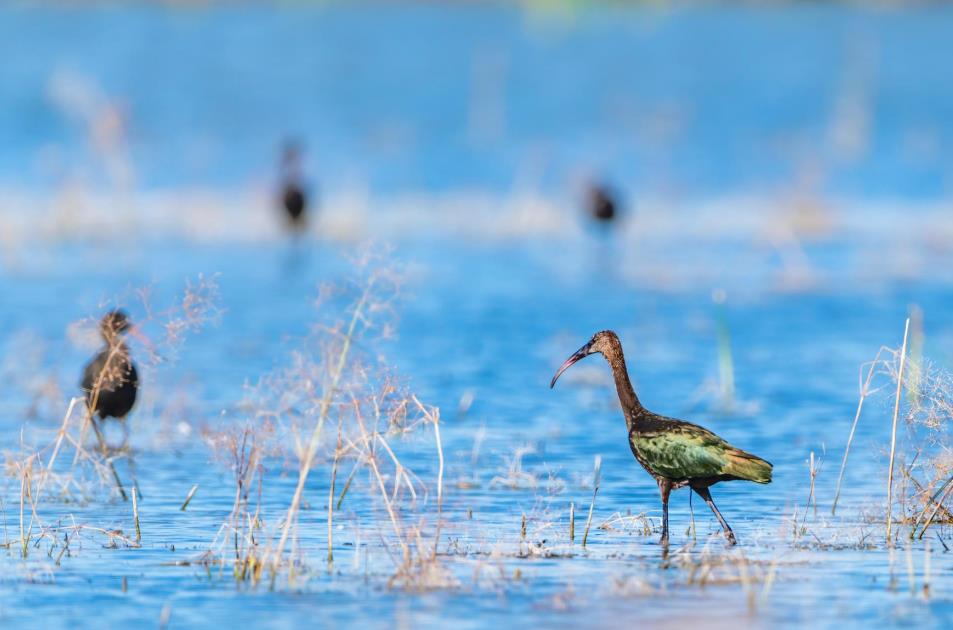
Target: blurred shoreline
x,y
802,243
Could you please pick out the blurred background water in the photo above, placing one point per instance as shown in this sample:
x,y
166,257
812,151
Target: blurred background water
x,y
795,157
688,100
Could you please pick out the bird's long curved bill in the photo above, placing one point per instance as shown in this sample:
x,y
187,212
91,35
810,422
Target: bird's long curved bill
x,y
581,353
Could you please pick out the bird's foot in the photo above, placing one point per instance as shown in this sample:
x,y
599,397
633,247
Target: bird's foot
x,y
732,541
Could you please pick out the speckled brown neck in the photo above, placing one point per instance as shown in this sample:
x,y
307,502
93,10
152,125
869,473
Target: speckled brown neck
x,y
631,406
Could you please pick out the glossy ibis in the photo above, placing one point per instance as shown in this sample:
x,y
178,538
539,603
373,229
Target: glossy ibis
x,y
293,196
674,452
602,204
110,380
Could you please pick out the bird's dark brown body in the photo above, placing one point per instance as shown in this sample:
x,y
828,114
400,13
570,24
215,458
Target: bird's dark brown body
x,y
294,202
110,380
294,197
111,383
676,453
602,204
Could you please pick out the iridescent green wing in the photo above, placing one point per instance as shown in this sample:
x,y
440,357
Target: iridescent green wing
x,y
682,451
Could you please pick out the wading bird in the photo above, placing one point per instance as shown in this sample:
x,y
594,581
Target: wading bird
x,y
110,380
293,197
602,204
674,452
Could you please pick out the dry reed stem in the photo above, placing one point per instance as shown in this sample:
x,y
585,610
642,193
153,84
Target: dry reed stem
x,y
307,462
436,540
106,458
59,438
812,471
947,487
893,433
239,527
572,522
434,416
347,483
334,475
24,542
864,392
101,468
135,515
592,505
66,542
946,515
188,497
399,471
372,460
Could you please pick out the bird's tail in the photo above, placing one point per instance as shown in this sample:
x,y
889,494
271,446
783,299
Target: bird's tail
x,y
747,466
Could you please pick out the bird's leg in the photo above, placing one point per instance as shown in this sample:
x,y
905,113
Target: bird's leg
x,y
100,437
105,449
665,489
125,434
705,494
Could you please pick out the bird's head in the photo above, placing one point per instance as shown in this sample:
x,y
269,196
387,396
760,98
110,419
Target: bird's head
x,y
114,323
605,342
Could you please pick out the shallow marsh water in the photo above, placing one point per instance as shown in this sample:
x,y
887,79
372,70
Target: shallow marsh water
x,y
796,358
501,285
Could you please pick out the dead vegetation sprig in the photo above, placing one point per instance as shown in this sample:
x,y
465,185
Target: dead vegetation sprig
x,y
922,398
336,415
631,523
715,568
240,535
34,532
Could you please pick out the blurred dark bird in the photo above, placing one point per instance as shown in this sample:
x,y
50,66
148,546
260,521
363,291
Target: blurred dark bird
x,y
110,380
294,199
602,204
674,452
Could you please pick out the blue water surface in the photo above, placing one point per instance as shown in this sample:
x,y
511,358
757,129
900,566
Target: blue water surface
x,y
685,104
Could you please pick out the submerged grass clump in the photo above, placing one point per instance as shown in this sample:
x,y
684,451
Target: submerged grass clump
x,y
921,399
336,417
